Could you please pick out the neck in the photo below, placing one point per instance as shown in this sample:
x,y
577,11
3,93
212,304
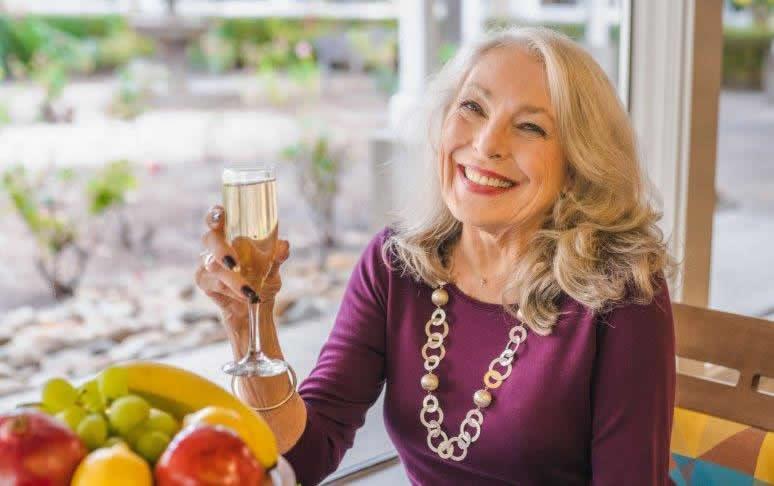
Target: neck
x,y
487,254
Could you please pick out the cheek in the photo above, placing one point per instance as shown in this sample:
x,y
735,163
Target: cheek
x,y
545,169
456,132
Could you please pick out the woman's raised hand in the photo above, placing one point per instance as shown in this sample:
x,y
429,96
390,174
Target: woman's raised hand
x,y
218,273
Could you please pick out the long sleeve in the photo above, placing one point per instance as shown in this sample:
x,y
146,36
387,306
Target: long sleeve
x,y
633,394
349,373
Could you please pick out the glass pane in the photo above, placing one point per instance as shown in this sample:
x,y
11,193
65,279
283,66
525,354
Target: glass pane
x,y
596,24
742,280
114,130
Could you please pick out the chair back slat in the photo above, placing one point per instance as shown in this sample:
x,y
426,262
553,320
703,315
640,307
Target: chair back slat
x,y
734,341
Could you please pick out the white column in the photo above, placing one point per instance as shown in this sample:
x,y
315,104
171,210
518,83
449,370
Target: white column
x,y
418,39
674,109
597,26
526,10
598,36
472,19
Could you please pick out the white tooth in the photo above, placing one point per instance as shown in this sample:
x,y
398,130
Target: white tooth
x,y
484,180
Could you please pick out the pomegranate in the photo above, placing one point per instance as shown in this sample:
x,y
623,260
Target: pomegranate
x,y
37,450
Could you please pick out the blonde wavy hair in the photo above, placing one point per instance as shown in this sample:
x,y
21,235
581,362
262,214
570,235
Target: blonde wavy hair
x,y
599,244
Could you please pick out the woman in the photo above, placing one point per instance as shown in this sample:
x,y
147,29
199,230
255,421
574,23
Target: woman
x,y
517,313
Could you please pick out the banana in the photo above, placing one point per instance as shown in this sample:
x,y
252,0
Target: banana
x,y
181,392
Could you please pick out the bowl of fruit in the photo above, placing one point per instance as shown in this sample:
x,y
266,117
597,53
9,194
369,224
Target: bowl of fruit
x,y
139,424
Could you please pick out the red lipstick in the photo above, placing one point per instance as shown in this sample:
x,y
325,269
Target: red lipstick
x,y
482,189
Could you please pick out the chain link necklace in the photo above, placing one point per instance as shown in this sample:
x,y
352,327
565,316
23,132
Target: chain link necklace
x,y
433,351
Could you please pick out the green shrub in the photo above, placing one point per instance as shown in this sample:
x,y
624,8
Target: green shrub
x,y
42,202
319,166
573,31
215,52
84,26
120,47
744,55
23,39
274,37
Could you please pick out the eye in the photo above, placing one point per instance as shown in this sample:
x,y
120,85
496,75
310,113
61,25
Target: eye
x,y
472,106
531,127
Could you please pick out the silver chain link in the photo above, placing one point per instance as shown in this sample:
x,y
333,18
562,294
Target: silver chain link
x,y
431,415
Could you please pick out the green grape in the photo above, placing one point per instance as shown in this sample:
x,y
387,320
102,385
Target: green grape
x,y
128,412
58,394
152,444
113,441
162,421
72,416
93,430
131,436
113,382
90,397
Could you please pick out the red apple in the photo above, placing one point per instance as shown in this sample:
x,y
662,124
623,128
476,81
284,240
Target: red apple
x,y
37,450
208,455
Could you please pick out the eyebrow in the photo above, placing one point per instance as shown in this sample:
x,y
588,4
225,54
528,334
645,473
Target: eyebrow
x,y
522,108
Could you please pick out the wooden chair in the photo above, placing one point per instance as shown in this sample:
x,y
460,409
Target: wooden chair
x,y
723,424
733,341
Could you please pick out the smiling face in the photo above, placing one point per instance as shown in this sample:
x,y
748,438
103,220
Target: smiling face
x,y
501,162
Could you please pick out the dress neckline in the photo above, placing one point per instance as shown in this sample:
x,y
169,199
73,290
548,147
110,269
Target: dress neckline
x,y
454,290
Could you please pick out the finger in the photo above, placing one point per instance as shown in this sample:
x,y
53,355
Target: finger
x,y
208,261
237,284
225,282
216,218
281,254
282,251
211,285
215,242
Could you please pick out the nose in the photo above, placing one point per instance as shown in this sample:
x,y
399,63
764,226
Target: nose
x,y
491,142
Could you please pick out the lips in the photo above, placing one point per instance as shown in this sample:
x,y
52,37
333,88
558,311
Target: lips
x,y
487,173
480,189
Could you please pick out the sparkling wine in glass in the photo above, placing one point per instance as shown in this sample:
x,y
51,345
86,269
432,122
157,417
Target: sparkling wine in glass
x,y
250,200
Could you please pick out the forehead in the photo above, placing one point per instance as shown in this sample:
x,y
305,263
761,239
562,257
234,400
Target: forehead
x,y
511,73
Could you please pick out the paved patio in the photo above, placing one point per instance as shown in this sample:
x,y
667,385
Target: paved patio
x,y
742,255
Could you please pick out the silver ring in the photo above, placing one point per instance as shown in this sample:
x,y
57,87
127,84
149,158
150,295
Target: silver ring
x,y
207,258
293,383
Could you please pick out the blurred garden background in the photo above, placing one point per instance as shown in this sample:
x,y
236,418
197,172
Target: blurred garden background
x,y
117,116
115,128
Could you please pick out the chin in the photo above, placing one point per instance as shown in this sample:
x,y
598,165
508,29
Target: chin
x,y
475,219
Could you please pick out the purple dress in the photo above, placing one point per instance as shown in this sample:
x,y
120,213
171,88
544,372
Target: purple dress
x,y
589,404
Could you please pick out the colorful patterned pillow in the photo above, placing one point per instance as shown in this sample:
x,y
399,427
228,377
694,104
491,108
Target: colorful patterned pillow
x,y
710,451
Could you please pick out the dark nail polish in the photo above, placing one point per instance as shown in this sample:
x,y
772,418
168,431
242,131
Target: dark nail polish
x,y
250,294
229,262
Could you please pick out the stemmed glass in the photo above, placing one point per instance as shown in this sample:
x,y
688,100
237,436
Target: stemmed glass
x,y
250,200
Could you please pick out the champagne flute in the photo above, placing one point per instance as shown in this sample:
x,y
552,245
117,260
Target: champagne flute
x,y
250,200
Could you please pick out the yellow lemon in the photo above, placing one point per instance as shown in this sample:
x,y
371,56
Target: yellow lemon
x,y
231,419
113,466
